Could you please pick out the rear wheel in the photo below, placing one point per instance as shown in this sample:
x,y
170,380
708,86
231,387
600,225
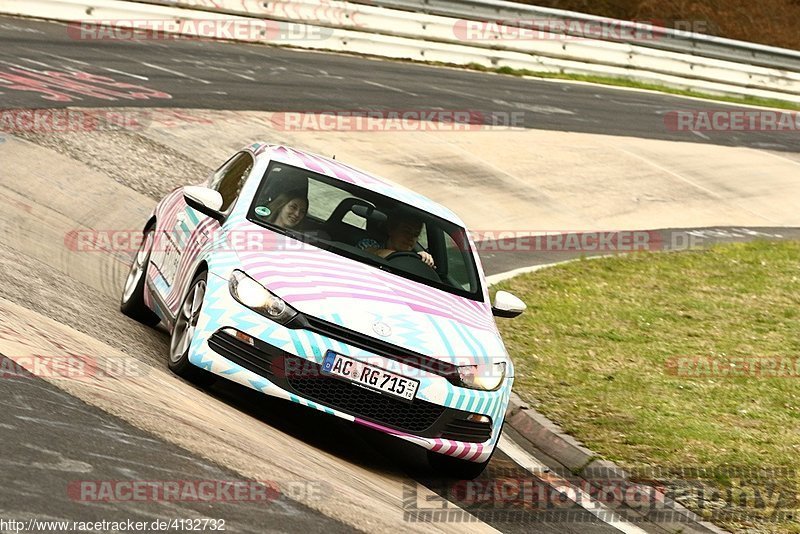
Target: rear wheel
x,y
183,333
132,303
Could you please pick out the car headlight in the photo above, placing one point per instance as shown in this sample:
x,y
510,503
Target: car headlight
x,y
258,298
483,376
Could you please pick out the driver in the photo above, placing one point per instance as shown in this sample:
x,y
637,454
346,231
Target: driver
x,y
402,230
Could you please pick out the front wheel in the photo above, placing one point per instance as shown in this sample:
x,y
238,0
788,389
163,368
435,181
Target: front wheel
x,y
132,303
183,333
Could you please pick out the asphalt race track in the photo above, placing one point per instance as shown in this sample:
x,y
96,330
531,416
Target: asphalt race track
x,y
210,75
45,431
51,437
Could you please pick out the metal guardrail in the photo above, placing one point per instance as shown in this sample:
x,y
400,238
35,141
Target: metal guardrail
x,y
667,39
405,34
437,37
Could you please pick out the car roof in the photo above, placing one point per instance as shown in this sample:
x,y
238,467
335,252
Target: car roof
x,y
345,173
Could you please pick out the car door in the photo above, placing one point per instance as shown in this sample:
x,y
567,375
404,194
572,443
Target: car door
x,y
185,231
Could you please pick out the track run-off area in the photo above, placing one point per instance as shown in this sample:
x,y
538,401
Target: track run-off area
x,y
580,158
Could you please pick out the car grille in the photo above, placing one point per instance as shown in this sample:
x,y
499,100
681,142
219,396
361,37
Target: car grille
x,y
305,378
377,346
463,430
416,416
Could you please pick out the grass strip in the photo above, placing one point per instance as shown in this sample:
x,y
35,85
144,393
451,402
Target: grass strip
x,y
623,82
678,362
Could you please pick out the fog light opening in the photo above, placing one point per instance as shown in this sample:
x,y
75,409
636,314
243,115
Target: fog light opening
x,y
477,418
241,336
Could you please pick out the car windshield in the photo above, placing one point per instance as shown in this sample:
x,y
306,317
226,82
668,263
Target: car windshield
x,y
367,227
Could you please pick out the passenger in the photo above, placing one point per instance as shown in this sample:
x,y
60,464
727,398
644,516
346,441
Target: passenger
x,y
403,230
288,209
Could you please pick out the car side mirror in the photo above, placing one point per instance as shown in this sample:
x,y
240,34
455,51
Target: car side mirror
x,y
206,201
507,305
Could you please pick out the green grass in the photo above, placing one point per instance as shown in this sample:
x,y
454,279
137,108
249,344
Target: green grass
x,y
596,353
622,82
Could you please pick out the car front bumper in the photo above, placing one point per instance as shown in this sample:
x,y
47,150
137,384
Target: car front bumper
x,y
285,362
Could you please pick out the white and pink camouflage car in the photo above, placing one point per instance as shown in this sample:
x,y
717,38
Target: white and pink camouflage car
x,y
309,280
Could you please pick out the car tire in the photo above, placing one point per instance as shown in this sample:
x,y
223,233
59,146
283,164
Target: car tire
x,y
183,333
455,468
132,301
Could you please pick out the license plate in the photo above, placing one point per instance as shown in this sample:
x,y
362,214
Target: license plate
x,y
369,376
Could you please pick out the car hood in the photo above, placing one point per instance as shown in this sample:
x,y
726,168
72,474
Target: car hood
x,y
373,302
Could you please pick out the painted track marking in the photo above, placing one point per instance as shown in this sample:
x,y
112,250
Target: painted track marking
x,y
534,466
175,72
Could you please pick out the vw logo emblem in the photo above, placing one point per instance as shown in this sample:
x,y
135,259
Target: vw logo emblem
x,y
381,328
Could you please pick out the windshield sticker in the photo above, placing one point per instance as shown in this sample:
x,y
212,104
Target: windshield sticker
x,y
263,211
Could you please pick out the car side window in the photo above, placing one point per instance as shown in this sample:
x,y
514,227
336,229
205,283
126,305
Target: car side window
x,y
230,178
456,261
422,240
217,176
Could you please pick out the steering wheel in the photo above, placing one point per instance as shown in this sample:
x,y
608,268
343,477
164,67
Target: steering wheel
x,y
403,254
402,260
